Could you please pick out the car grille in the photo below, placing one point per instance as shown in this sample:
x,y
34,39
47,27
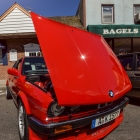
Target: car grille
x,y
81,109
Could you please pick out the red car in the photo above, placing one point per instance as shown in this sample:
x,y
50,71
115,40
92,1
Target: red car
x,y
75,91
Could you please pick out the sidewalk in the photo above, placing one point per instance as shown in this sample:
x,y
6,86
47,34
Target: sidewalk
x,y
2,84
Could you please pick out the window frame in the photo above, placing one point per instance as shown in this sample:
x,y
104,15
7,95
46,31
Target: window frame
x,y
32,53
136,64
103,14
135,5
17,64
12,55
28,53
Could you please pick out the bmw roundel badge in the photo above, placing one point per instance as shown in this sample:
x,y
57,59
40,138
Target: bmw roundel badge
x,y
111,94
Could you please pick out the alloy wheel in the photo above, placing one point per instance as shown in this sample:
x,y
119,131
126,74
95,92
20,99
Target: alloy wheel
x,y
21,121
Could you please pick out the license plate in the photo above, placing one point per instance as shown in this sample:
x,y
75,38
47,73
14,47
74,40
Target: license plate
x,y
105,119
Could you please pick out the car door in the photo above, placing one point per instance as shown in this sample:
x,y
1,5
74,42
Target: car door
x,y
128,64
10,78
15,80
136,77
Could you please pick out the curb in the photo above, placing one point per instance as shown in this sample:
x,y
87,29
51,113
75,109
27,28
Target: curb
x,y
2,84
2,93
2,88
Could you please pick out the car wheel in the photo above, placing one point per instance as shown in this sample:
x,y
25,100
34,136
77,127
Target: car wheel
x,y
23,126
8,94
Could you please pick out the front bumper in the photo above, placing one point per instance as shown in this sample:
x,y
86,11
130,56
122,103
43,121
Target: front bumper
x,y
49,129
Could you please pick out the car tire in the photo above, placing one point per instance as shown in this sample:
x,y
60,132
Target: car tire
x,y
23,126
8,94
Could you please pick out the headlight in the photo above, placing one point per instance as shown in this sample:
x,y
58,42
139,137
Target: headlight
x,y
55,110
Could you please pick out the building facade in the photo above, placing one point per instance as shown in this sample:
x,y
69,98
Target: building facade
x,y
118,21
18,37
16,31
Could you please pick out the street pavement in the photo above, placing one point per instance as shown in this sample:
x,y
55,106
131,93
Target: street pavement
x,y
129,129
2,84
8,119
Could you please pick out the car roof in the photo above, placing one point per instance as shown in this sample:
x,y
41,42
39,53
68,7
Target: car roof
x,y
128,54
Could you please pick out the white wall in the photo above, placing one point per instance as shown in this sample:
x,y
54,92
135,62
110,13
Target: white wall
x,y
123,11
16,22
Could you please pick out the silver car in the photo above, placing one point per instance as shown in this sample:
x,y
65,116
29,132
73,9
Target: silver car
x,y
131,64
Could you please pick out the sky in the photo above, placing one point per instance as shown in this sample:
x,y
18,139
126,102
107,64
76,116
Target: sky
x,y
48,8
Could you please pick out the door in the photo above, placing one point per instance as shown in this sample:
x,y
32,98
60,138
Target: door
x,y
14,80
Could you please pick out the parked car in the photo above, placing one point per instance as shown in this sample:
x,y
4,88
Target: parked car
x,y
131,63
75,91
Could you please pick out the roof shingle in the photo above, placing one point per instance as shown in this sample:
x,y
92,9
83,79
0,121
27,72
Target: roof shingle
x,y
69,20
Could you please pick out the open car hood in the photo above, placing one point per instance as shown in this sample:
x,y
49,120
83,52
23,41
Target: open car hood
x,y
83,68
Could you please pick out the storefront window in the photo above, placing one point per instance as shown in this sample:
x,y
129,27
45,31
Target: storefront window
x,y
31,49
0,56
32,54
107,14
136,44
122,43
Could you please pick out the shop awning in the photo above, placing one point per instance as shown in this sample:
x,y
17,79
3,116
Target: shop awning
x,y
113,31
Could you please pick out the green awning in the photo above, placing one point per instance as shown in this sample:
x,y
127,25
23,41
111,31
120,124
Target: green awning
x,y
113,31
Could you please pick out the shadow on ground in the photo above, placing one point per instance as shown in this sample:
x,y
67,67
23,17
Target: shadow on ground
x,y
134,101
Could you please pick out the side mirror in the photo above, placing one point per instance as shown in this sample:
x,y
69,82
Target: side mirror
x,y
13,71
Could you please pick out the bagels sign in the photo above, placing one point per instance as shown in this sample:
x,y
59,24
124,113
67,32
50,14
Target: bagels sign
x,y
121,31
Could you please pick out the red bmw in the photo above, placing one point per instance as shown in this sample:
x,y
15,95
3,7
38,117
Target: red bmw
x,y
76,91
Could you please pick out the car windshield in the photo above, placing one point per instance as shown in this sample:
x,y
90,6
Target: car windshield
x,y
34,65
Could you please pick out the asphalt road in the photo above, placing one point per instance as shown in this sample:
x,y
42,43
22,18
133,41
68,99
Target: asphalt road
x,y
8,119
129,129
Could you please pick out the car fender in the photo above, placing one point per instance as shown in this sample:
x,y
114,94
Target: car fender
x,y
25,102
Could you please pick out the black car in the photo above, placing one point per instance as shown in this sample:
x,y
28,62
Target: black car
x,y
131,63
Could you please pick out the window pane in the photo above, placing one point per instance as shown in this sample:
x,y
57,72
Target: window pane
x,y
0,55
107,14
126,62
137,9
32,54
107,10
107,18
122,43
136,44
138,63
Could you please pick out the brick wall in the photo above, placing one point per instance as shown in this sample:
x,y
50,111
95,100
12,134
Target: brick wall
x,y
16,44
